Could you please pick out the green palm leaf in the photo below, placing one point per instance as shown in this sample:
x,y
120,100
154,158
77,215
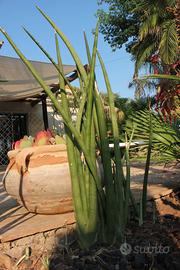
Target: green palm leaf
x,y
162,76
142,51
165,137
148,26
168,46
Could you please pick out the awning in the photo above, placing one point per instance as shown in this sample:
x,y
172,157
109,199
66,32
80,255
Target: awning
x,y
20,84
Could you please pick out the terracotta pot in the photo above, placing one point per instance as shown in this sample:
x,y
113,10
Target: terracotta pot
x,y
39,178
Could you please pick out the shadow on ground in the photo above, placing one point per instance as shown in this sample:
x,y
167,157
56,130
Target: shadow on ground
x,y
153,245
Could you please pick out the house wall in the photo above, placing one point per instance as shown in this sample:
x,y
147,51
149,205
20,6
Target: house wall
x,y
36,123
35,116
35,119
15,107
55,121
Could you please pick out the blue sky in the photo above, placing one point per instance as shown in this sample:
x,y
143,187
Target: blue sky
x,y
73,17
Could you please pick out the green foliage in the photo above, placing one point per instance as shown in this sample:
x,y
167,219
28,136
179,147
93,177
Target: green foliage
x,y
145,27
157,33
125,108
130,106
168,46
163,76
165,137
119,24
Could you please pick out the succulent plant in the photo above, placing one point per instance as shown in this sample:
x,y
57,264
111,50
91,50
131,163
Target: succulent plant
x,y
24,142
15,145
43,137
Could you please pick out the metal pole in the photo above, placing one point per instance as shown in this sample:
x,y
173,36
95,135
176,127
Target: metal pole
x,y
45,114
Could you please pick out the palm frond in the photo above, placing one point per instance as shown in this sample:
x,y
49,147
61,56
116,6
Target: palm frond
x,y
142,51
168,46
149,26
141,86
145,5
157,32
165,138
161,76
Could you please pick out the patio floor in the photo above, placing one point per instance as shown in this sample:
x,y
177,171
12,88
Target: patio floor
x,y
16,222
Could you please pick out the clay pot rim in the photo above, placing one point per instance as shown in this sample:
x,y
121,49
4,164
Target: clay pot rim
x,y
44,148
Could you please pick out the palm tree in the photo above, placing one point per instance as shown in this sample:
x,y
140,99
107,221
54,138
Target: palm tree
x,y
158,47
157,34
176,12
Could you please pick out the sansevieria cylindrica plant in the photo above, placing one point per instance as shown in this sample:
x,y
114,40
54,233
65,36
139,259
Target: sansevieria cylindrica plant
x,y
101,200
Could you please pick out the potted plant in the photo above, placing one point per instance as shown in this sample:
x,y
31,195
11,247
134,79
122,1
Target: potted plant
x,y
38,174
